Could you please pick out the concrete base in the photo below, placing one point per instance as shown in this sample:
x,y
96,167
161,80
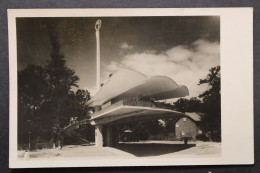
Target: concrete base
x,y
106,136
99,136
109,136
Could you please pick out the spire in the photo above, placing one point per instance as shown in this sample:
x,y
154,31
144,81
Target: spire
x,y
97,27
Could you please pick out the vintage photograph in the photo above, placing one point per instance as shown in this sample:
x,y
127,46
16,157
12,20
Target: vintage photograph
x,y
126,89
119,86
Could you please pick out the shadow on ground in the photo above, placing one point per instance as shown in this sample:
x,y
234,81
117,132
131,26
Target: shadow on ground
x,y
142,150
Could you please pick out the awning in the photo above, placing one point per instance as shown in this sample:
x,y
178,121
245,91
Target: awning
x,y
127,83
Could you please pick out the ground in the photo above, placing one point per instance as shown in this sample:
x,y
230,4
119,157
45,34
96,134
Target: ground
x,y
130,150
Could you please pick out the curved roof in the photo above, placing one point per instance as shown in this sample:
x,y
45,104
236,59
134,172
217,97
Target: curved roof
x,y
195,116
129,83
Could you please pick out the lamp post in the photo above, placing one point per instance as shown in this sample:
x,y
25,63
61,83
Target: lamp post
x,y
97,27
29,134
29,144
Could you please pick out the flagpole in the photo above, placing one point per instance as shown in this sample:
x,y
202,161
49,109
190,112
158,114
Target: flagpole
x,y
97,27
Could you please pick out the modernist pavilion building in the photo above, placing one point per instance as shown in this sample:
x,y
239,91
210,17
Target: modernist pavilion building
x,y
129,96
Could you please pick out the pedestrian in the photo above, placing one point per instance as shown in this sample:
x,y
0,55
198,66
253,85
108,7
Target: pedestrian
x,y
61,140
186,140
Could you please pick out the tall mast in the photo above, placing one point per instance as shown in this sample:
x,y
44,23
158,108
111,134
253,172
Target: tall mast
x,y
97,27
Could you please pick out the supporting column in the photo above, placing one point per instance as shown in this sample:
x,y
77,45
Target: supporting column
x,y
99,136
109,136
115,136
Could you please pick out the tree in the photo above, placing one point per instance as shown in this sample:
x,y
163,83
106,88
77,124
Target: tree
x,y
82,97
60,80
181,105
32,86
187,105
46,99
194,105
211,122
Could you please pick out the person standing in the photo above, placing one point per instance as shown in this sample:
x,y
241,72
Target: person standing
x,y
61,140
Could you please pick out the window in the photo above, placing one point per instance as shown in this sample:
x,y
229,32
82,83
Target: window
x,y
184,119
177,124
182,133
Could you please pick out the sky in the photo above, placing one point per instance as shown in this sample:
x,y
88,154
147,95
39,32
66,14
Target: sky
x,y
182,48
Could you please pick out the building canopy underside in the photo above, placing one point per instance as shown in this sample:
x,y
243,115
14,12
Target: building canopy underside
x,y
124,112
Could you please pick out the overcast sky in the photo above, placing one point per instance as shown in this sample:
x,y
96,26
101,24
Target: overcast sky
x,y
182,48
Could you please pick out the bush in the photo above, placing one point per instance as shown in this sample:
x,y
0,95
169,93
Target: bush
x,y
202,137
156,137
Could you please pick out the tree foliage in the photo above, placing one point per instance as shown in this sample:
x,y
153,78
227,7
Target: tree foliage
x,y
188,105
47,97
211,122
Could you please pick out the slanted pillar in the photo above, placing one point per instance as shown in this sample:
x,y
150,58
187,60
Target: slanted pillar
x,y
99,136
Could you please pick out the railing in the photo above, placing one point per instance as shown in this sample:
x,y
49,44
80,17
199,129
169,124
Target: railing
x,y
138,103
128,102
147,104
76,123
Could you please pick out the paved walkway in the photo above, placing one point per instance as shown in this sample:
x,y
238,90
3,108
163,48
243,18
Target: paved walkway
x,y
131,150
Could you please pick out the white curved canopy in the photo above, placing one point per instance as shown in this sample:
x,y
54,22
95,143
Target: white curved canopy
x,y
127,83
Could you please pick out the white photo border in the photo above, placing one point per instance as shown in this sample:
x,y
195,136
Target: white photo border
x,y
236,61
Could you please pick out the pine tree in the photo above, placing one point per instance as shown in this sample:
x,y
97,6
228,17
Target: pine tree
x,y
61,79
